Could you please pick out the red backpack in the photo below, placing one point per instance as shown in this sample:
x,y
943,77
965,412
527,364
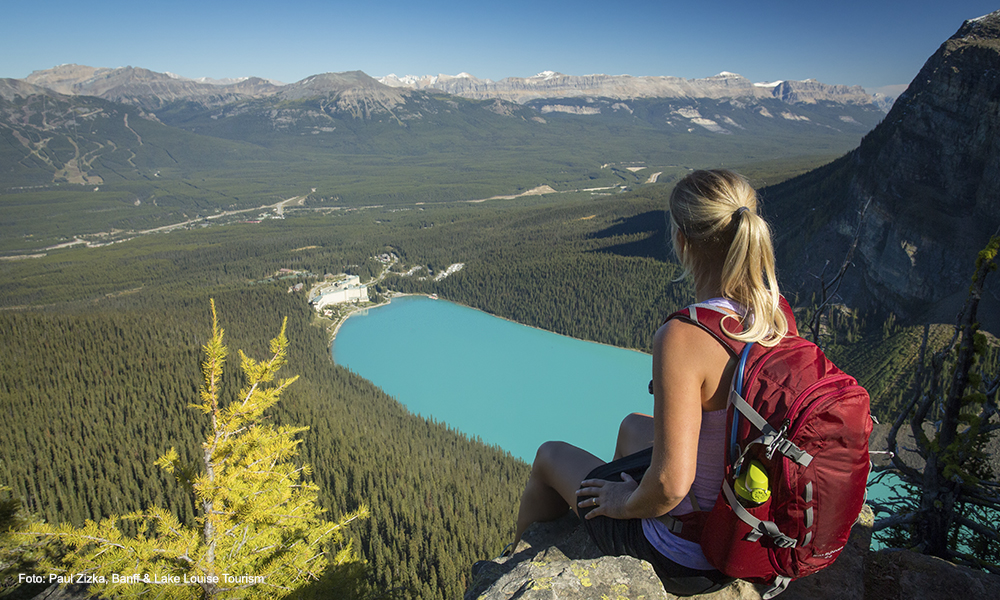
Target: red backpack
x,y
808,423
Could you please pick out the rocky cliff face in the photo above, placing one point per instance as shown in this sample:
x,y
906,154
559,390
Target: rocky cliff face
x,y
932,172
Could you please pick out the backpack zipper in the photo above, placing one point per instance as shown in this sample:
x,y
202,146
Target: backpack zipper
x,y
802,418
819,383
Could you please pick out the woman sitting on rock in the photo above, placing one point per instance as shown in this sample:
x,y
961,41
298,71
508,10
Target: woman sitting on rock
x,y
725,246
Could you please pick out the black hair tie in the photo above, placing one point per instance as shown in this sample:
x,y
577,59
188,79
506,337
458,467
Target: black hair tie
x,y
738,216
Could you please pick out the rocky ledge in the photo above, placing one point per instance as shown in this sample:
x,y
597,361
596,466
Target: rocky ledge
x,y
558,560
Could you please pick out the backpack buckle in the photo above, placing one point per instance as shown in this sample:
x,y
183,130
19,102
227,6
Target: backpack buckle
x,y
778,440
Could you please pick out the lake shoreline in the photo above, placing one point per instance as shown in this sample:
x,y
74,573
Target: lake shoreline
x,y
340,323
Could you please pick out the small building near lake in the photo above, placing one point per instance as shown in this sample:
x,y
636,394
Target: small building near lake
x,y
348,289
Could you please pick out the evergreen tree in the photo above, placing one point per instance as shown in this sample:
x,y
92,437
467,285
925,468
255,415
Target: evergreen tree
x,y
12,519
952,507
260,532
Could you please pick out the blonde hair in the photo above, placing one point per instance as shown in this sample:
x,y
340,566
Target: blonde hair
x,y
716,210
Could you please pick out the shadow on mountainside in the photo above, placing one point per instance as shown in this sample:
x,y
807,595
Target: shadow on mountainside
x,y
644,235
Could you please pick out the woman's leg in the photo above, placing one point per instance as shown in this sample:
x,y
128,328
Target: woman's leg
x,y
551,489
634,434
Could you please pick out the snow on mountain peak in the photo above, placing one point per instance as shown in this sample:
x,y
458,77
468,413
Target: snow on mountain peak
x,y
208,80
405,79
420,82
985,17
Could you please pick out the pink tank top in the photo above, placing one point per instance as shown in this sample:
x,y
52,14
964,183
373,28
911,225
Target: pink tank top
x,y
711,464
706,487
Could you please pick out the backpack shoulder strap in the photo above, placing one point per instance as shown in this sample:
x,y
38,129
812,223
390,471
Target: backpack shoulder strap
x,y
793,328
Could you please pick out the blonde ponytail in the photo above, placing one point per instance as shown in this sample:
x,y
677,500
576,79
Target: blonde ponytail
x,y
716,211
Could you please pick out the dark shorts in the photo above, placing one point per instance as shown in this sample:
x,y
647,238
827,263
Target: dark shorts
x,y
624,537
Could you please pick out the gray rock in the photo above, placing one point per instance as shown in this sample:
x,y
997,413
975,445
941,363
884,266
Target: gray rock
x,y
550,85
892,574
558,560
845,578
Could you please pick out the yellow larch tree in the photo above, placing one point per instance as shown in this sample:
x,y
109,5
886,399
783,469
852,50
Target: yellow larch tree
x,y
260,533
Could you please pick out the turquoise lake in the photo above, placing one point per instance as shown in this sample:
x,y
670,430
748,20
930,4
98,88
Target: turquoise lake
x,y
510,385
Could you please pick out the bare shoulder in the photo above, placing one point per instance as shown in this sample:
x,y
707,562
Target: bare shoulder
x,y
681,342
678,332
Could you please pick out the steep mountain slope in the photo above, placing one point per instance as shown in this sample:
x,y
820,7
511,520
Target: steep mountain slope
x,y
57,138
932,172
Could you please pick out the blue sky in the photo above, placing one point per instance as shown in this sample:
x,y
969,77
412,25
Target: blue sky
x,y
873,44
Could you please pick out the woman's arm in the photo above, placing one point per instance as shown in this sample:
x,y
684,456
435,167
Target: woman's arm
x,y
687,368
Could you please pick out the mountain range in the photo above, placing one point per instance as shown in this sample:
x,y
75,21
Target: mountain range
x,y
725,85
145,88
723,104
352,136
141,86
726,104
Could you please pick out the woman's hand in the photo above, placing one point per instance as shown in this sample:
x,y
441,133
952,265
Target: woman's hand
x,y
609,498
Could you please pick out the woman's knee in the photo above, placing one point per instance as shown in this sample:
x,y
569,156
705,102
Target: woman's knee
x,y
563,465
549,453
636,426
634,434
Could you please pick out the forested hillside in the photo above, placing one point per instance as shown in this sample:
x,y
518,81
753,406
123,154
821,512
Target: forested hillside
x,y
93,396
